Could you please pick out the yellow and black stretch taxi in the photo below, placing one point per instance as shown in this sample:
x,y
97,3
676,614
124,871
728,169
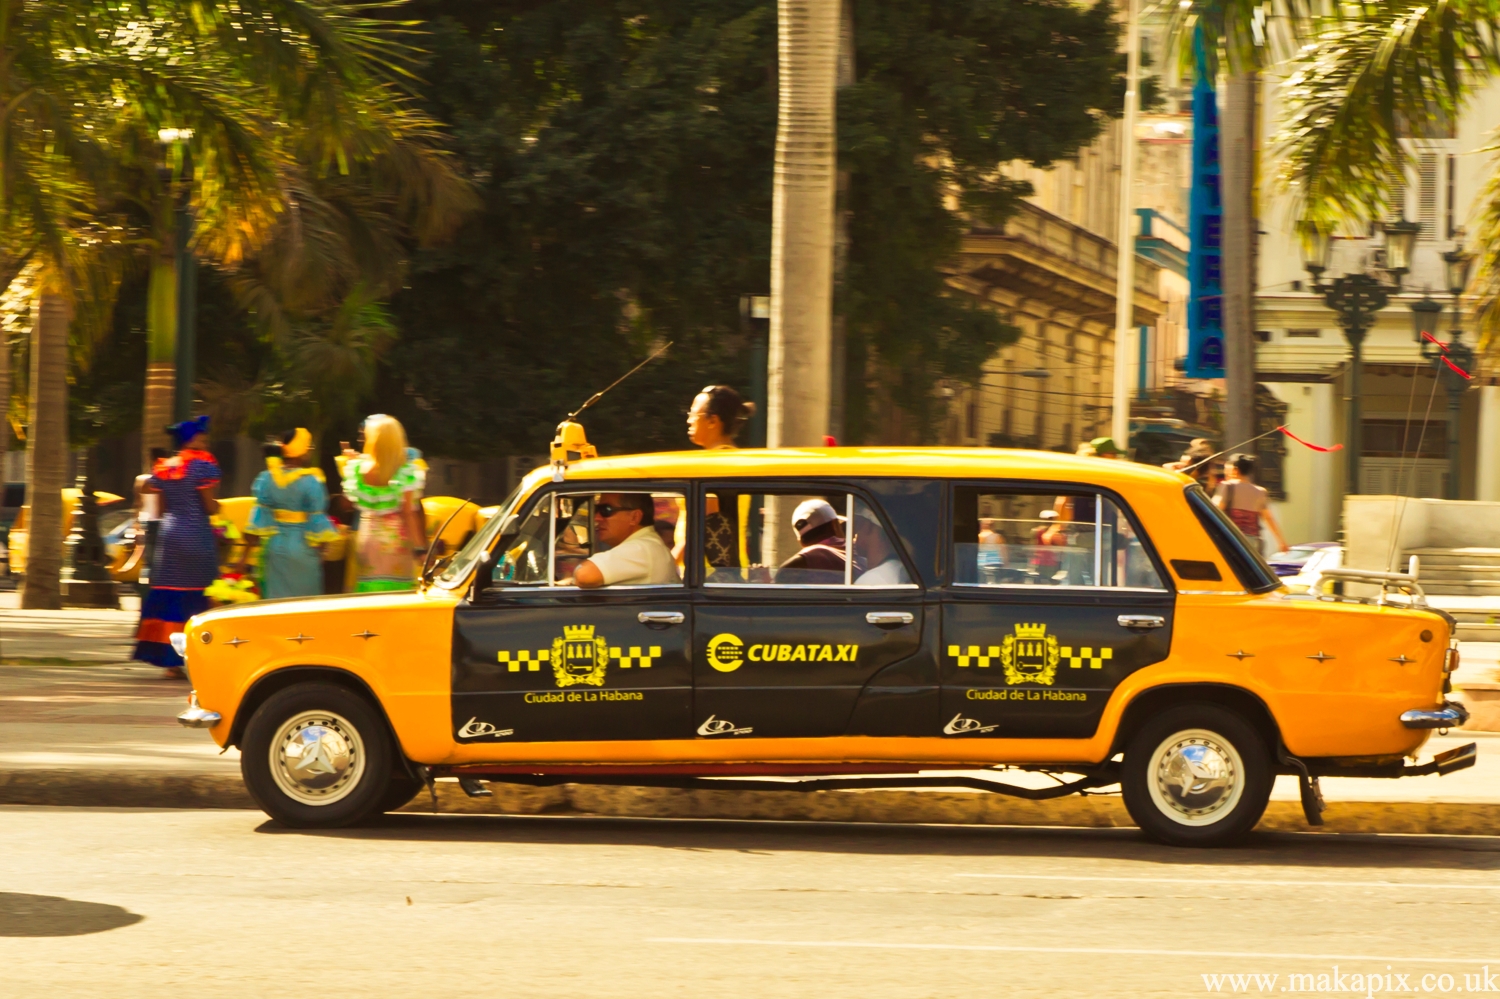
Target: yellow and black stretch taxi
x,y
850,617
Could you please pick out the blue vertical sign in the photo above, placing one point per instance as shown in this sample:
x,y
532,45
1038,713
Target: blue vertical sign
x,y
1205,355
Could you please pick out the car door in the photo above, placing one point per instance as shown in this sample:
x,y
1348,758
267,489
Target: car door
x,y
1055,596
787,651
539,659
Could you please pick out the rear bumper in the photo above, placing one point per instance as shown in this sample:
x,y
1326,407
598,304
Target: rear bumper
x,y
1450,715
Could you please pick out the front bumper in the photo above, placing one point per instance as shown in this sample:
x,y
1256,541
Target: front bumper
x,y
1450,715
197,716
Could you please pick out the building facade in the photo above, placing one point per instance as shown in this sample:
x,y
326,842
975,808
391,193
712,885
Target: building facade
x,y
1408,427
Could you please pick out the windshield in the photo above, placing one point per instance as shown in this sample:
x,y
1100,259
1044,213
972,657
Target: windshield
x,y
463,563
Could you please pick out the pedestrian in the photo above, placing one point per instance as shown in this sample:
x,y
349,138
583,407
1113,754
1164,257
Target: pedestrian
x,y
991,552
185,560
147,522
385,482
291,518
1247,504
715,418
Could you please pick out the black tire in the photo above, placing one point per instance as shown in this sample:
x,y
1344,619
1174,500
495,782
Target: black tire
x,y
401,789
1208,812
337,726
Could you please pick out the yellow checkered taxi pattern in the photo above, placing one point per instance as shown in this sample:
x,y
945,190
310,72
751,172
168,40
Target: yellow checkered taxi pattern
x,y
636,656
970,656
1087,654
533,661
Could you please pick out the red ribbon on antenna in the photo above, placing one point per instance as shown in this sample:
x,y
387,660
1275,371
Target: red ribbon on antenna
x,y
1315,447
1455,368
1444,348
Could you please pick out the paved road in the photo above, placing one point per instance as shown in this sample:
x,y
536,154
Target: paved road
x,y
126,904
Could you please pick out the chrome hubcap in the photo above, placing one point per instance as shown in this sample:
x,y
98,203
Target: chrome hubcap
x,y
317,757
1197,777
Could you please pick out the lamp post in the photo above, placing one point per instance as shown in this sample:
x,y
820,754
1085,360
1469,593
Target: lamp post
x,y
1355,299
1425,315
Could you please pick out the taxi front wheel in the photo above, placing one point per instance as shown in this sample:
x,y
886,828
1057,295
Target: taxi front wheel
x,y
1196,775
316,755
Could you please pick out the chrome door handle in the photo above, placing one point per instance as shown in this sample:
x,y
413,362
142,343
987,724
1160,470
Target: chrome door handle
x,y
1141,620
890,617
661,617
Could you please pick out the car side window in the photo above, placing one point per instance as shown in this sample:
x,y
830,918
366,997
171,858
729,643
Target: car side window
x,y
797,538
564,529
1076,537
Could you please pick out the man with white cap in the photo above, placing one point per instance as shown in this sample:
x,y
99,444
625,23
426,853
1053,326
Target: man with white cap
x,y
822,558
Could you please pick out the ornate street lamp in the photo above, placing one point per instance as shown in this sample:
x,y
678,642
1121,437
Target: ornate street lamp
x,y
1457,354
1400,239
1355,299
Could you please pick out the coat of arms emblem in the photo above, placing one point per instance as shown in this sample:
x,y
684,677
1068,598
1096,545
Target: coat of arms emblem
x,y
1030,655
579,657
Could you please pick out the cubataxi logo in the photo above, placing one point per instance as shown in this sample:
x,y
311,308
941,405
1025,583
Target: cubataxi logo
x,y
579,657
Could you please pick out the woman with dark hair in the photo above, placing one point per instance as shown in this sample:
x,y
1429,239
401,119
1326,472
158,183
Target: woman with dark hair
x,y
716,416
291,500
1247,504
185,559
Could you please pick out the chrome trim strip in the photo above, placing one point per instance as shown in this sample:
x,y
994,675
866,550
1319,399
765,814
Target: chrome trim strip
x,y
837,587
1212,593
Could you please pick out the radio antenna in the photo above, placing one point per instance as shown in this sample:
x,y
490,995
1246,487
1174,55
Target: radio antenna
x,y
600,394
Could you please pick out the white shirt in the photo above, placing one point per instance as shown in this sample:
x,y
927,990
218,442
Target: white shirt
x,y
641,559
888,573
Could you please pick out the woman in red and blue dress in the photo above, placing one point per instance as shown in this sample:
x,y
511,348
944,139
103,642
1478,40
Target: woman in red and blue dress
x,y
185,560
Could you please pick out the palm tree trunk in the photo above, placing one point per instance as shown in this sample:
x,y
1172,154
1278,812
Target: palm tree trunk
x,y
802,235
161,356
1237,126
46,453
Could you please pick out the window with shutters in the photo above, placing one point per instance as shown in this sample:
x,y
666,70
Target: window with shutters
x,y
1428,180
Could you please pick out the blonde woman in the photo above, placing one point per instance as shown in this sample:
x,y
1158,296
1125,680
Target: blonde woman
x,y
384,482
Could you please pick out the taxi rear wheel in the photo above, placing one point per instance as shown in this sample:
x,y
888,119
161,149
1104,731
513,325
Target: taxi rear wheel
x,y
1196,775
317,755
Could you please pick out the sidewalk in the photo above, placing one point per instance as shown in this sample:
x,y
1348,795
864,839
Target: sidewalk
x,y
80,726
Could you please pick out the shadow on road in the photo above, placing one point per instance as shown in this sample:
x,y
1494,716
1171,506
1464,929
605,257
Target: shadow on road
x,y
1332,851
50,916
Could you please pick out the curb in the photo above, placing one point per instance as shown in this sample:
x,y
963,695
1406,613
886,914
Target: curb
x,y
151,789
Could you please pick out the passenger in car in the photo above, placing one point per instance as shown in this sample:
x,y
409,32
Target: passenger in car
x,y
822,558
873,548
636,555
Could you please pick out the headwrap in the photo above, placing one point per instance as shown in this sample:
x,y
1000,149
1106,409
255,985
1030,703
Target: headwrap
x,y
298,445
188,429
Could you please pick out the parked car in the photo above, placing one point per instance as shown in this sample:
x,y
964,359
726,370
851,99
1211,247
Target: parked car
x,y
1310,579
965,608
110,505
1291,561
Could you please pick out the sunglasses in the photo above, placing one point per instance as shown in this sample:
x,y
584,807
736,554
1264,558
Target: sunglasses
x,y
607,510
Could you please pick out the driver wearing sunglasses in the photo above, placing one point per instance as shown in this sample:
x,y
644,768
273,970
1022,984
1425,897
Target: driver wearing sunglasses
x,y
624,523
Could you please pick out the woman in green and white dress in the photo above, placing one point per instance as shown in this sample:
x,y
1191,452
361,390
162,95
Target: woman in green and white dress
x,y
385,483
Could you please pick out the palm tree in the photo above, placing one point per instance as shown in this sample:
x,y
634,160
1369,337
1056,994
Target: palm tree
x,y
802,224
254,91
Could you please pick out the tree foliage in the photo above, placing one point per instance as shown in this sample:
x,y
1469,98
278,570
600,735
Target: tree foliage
x,y
623,149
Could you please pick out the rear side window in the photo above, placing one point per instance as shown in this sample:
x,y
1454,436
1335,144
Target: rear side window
x,y
1006,537
1249,568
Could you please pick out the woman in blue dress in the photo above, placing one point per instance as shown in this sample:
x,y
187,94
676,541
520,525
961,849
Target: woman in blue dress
x,y
185,559
291,516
